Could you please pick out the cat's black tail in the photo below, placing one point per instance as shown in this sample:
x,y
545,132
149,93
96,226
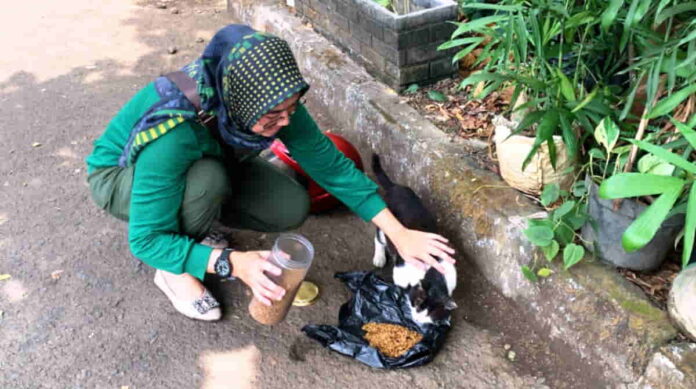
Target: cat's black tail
x,y
382,177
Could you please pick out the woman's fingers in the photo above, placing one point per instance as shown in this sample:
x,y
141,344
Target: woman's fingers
x,y
273,291
261,298
437,251
272,269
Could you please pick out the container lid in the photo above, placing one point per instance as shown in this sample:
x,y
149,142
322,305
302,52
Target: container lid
x,y
307,294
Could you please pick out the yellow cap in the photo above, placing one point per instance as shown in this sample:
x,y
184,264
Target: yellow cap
x,y
306,295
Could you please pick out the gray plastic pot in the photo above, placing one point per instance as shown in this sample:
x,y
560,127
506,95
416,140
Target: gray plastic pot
x,y
606,241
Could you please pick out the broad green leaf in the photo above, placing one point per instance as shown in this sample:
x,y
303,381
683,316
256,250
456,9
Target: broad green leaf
x,y
643,229
566,86
572,254
563,209
579,189
564,234
383,3
689,226
622,149
650,164
413,88
669,103
607,134
550,194
666,156
544,272
688,133
539,236
597,153
437,96
576,219
609,14
540,223
625,185
529,274
459,42
551,250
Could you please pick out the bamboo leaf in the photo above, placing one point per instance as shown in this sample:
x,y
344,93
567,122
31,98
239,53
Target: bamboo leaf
x,y
643,229
566,86
665,155
669,103
625,185
689,134
568,135
477,24
497,7
651,164
675,10
459,42
609,14
690,226
545,132
585,101
572,254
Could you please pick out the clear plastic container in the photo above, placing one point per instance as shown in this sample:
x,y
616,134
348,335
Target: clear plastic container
x,y
293,254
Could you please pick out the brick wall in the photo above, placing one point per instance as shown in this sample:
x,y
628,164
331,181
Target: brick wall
x,y
398,49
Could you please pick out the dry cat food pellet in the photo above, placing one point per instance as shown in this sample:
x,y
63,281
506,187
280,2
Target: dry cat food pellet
x,y
391,340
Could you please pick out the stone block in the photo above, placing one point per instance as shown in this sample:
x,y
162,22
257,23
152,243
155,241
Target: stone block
x,y
413,38
386,50
422,54
340,22
391,37
360,33
372,56
392,70
441,31
414,74
375,28
442,67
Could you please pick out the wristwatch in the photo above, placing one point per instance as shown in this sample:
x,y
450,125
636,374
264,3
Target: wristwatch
x,y
223,265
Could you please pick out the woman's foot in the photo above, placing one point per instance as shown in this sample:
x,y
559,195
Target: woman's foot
x,y
188,295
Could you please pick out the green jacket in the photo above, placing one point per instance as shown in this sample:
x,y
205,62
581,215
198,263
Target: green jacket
x,y
160,177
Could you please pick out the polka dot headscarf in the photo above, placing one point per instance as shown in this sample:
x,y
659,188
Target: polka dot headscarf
x,y
261,74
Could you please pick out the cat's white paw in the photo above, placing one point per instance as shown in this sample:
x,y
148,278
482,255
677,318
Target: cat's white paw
x,y
380,257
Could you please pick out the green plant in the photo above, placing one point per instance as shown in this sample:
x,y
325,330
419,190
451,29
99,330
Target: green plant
x,y
548,51
668,175
557,231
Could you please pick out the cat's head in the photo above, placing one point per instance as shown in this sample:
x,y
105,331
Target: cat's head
x,y
429,306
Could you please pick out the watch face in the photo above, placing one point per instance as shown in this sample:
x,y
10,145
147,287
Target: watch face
x,y
222,268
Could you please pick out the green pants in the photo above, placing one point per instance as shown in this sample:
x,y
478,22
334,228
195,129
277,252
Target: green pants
x,y
257,196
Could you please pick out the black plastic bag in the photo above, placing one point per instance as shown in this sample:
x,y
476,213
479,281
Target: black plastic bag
x,y
377,301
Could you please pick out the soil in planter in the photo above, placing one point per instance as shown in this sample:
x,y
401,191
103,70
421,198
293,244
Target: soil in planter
x,y
461,117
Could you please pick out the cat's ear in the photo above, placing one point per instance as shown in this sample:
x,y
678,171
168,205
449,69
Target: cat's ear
x,y
450,305
417,295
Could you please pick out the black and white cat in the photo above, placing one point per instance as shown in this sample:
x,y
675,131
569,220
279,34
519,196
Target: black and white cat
x,y
429,291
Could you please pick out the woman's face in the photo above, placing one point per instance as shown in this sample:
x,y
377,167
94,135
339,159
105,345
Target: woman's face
x,y
277,118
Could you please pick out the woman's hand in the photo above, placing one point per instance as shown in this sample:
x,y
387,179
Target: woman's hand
x,y
421,248
415,247
249,266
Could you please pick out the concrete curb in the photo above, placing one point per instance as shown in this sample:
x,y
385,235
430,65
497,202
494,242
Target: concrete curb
x,y
591,309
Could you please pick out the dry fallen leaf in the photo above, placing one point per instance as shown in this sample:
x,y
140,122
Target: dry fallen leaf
x,y
36,144
4,277
56,274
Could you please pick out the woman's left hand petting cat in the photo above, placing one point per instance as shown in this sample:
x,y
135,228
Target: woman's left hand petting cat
x,y
422,248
